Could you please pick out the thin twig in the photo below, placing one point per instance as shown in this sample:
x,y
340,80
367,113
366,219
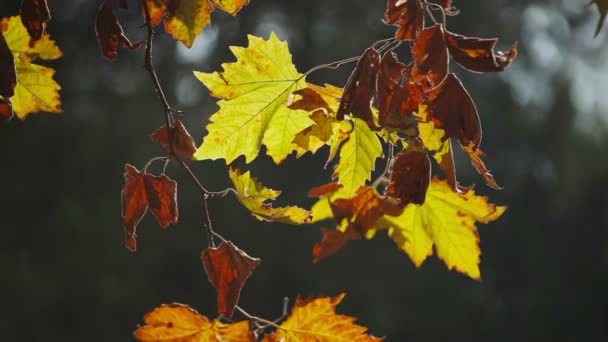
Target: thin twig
x,y
257,319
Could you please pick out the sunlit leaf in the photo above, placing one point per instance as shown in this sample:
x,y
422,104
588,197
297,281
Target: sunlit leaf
x,y
8,74
430,56
477,54
255,92
410,177
231,6
182,140
110,33
475,157
408,15
35,16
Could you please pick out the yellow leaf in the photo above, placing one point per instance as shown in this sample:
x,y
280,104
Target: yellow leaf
x,y
358,157
432,137
330,94
177,322
255,92
316,136
36,90
446,221
253,195
231,6
316,321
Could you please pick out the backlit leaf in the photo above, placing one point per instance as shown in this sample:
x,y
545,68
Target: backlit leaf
x,y
8,74
182,140
315,320
408,15
410,177
254,196
475,157
180,323
478,54
430,56
110,33
231,6
35,16
255,92
228,268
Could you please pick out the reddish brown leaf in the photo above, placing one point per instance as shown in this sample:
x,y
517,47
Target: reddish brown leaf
x,y
310,101
475,155
360,87
141,191
35,16
324,190
183,143
448,7
410,177
408,15
6,110
333,240
110,33
478,54
8,74
228,268
453,110
430,56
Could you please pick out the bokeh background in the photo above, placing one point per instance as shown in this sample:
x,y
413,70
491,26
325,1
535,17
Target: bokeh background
x,y
66,275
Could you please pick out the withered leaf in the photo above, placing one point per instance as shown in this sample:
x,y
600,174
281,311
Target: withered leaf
x,y
448,7
475,155
333,241
452,109
110,33
183,143
228,268
143,190
324,190
8,73
477,54
6,110
430,56
35,16
310,101
410,177
408,15
360,87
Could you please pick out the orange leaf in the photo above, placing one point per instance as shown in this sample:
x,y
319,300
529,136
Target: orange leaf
x,y
333,241
324,190
228,268
8,73
180,323
6,110
475,156
230,6
408,15
141,191
478,54
430,56
410,177
360,88
35,16
448,7
109,32
182,140
315,320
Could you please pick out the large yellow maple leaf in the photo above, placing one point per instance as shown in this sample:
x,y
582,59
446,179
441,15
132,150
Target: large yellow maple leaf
x,y
36,90
316,320
446,221
254,110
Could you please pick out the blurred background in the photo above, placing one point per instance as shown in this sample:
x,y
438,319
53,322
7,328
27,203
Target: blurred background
x,y
66,275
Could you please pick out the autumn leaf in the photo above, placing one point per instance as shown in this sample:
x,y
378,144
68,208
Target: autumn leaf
x,y
602,6
256,91
35,90
358,157
254,196
35,16
446,221
448,7
477,54
182,140
178,322
430,56
8,73
143,191
410,177
6,110
315,320
408,15
110,33
475,157
228,268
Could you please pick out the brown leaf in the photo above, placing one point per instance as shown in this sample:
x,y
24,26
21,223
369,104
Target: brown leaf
x,y
35,16
448,7
475,155
408,15
310,101
333,240
8,73
228,268
478,54
430,56
182,140
324,190
110,33
6,110
360,87
452,109
141,191
410,177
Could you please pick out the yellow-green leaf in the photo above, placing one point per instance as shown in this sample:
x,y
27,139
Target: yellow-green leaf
x,y
254,196
358,157
255,92
446,221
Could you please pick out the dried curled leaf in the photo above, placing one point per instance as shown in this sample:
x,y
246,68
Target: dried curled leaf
x,y
35,16
110,33
253,195
315,320
408,15
8,73
602,6
180,323
143,191
431,58
410,177
182,140
228,268
478,54
475,157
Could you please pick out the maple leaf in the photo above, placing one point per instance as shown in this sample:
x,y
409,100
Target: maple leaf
x,y
255,93
408,15
143,191
315,320
186,19
253,195
475,155
430,56
360,88
35,16
358,157
182,140
478,54
228,268
178,322
110,33
35,89
602,6
410,177
446,221
8,74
